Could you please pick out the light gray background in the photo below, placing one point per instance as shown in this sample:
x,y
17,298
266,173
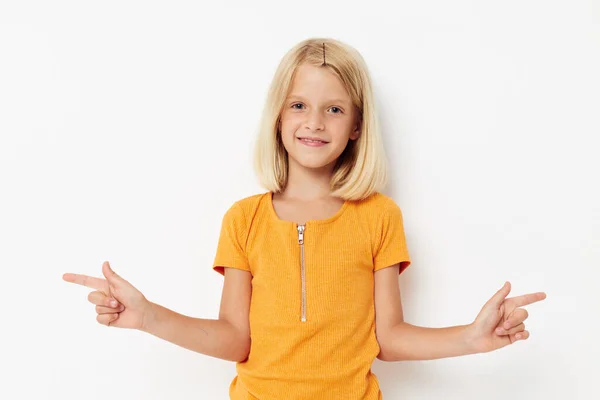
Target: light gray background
x,y
127,129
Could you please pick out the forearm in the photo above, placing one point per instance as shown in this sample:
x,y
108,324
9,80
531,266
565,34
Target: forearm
x,y
410,342
212,337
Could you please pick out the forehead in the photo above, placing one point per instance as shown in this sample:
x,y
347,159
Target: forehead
x,y
317,82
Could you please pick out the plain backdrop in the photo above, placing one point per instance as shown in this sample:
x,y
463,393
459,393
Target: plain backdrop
x,y
127,130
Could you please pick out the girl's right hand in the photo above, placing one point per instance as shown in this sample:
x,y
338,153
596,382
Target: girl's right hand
x,y
118,302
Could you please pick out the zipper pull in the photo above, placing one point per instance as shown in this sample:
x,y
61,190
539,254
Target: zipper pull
x,y
300,234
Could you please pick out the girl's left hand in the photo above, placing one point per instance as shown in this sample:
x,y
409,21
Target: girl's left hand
x,y
500,321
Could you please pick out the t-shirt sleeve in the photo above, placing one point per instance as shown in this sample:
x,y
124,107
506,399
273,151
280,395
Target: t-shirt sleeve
x,y
390,244
231,248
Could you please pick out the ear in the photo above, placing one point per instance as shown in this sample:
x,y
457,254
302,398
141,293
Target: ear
x,y
355,133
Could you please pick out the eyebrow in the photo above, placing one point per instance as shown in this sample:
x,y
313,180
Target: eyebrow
x,y
296,96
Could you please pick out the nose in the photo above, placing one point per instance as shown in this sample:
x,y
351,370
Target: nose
x,y
314,121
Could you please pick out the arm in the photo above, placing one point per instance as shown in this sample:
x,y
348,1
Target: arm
x,y
411,342
212,337
227,338
399,340
120,304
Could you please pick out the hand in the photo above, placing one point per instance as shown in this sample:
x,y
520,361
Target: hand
x,y
118,302
500,321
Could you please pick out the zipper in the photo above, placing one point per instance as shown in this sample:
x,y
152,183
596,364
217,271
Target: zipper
x,y
302,271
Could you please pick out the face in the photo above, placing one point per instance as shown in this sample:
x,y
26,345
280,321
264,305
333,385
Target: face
x,y
318,119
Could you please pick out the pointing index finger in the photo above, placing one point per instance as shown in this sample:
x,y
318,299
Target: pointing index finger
x,y
529,298
84,280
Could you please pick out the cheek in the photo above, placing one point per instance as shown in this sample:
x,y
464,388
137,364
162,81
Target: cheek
x,y
290,122
287,134
289,128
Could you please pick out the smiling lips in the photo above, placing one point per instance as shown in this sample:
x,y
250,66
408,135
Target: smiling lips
x,y
313,142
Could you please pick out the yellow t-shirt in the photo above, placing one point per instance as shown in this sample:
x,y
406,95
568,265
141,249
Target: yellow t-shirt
x,y
312,313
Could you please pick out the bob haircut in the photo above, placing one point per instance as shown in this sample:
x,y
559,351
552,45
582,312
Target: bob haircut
x,y
361,169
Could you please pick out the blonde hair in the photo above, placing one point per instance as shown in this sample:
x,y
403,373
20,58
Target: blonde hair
x,y
361,169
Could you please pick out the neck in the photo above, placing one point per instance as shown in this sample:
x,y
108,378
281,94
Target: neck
x,y
307,183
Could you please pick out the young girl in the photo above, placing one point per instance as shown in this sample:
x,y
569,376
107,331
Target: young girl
x,y
310,295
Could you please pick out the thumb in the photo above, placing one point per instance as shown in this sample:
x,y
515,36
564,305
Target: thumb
x,y
500,295
110,275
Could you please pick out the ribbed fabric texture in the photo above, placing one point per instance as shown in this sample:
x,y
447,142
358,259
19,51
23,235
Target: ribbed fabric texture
x,y
328,356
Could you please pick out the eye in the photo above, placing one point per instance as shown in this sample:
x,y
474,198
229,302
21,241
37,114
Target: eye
x,y
338,110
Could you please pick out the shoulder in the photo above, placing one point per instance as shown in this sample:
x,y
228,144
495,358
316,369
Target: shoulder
x,y
378,204
247,207
379,212
252,202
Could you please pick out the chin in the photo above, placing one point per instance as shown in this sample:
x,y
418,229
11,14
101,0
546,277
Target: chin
x,y
313,164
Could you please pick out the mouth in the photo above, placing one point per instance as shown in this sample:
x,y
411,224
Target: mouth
x,y
309,140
